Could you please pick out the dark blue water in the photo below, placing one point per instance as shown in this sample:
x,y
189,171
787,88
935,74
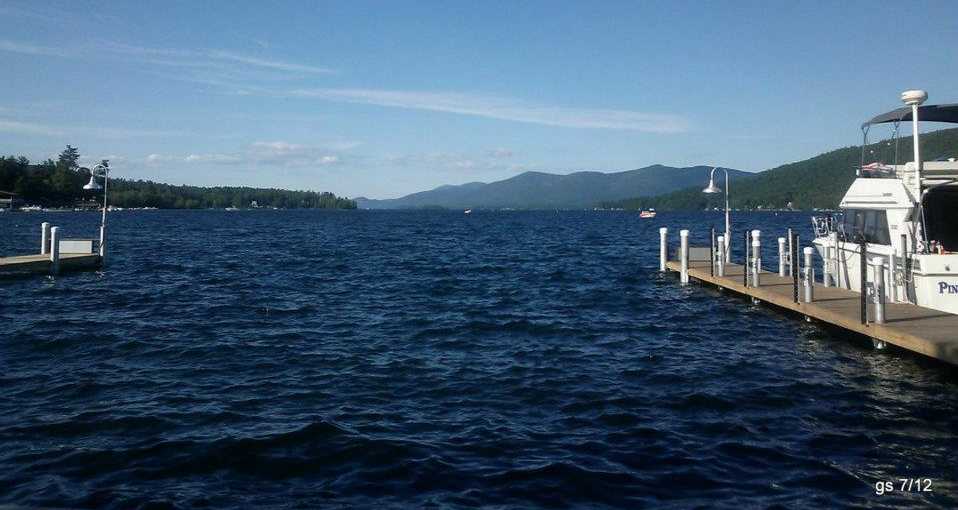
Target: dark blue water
x,y
282,359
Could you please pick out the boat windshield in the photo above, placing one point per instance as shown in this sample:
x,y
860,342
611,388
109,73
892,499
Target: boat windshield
x,y
868,223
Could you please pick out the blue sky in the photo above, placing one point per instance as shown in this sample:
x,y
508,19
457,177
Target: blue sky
x,y
386,98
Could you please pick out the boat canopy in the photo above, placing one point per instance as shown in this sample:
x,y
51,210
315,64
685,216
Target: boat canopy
x,y
930,113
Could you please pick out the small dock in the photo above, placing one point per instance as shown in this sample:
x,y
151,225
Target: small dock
x,y
922,330
43,264
56,255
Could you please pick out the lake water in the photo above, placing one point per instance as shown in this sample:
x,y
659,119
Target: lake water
x,y
299,359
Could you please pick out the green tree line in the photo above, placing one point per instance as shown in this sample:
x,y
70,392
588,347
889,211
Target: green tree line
x,y
818,182
60,184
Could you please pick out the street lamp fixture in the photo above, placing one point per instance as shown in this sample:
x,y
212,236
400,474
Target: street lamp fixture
x,y
712,188
93,185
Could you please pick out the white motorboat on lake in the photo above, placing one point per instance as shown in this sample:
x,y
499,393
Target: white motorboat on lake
x,y
904,214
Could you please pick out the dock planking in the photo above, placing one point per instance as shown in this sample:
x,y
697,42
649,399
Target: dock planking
x,y
42,264
932,333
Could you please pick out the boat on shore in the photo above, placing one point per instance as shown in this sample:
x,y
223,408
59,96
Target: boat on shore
x,y
901,217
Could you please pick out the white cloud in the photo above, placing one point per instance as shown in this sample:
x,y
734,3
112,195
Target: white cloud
x,y
276,153
207,66
33,49
451,162
291,154
505,109
501,153
268,63
212,158
28,128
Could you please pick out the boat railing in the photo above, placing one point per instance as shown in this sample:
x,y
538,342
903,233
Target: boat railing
x,y
825,224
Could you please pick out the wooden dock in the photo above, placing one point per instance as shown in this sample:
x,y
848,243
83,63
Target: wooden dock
x,y
929,332
42,263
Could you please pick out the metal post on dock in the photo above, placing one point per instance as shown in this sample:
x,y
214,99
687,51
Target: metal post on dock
x,y
55,250
789,260
44,238
721,255
712,252
878,267
663,248
781,257
793,257
756,257
809,275
827,266
684,254
745,263
892,269
863,279
834,258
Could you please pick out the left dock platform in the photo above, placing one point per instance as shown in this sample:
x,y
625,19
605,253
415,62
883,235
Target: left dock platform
x,y
43,264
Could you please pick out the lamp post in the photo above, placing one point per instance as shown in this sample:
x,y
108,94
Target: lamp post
x,y
103,171
712,188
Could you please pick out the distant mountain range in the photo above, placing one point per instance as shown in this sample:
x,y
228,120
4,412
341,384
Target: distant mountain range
x,y
540,190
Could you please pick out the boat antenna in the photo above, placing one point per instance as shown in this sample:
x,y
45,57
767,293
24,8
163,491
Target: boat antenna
x,y
914,99
865,128
897,138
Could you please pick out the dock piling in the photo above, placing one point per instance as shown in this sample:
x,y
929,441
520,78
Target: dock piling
x,y
712,251
721,256
809,275
863,273
44,238
756,257
684,254
781,257
663,248
878,268
54,251
790,251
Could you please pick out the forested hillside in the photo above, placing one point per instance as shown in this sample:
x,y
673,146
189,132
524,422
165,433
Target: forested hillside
x,y
60,184
818,182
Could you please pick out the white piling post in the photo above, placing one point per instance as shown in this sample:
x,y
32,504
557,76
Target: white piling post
x,y
55,250
102,245
809,274
663,248
781,257
684,254
44,238
756,257
788,258
878,268
720,269
892,284
827,269
833,257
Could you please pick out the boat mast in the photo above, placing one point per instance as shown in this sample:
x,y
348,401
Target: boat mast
x,y
915,98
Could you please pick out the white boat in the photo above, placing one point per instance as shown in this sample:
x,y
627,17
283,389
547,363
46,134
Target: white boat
x,y
904,214
649,213
468,211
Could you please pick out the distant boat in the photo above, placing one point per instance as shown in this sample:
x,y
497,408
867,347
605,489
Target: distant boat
x,y
649,213
468,211
232,209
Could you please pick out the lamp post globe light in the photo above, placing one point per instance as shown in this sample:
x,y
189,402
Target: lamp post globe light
x,y
712,188
100,171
